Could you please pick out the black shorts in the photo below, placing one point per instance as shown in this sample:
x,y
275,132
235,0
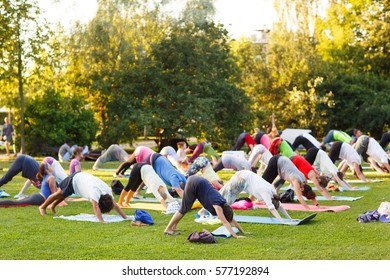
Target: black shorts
x,y
66,185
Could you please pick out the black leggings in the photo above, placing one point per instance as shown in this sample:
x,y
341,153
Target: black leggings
x,y
300,140
135,179
385,140
334,152
311,155
124,166
271,172
34,199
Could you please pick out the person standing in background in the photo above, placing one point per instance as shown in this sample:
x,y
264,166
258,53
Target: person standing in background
x,y
6,134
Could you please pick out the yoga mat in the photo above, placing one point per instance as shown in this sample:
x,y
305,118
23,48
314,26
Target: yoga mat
x,y
76,199
384,218
340,198
152,206
364,188
299,207
361,182
271,220
18,205
63,203
145,200
145,206
222,232
92,218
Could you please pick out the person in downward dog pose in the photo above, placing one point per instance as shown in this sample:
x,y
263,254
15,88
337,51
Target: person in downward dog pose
x,y
199,188
256,186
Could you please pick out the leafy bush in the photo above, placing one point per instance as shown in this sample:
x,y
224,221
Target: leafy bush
x,y
51,118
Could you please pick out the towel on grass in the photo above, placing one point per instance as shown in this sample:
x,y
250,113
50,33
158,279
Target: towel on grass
x,y
222,232
92,218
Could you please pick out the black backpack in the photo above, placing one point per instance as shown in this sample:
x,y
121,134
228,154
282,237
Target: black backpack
x,y
117,187
287,196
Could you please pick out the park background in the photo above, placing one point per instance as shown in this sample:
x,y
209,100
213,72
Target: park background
x,y
133,68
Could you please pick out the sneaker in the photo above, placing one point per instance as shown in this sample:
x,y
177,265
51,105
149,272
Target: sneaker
x,y
115,175
4,194
20,196
203,219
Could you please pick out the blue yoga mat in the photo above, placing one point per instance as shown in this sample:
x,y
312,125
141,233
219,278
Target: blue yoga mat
x,y
271,220
364,188
222,232
145,199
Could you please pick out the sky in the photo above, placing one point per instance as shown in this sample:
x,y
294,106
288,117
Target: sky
x,y
240,17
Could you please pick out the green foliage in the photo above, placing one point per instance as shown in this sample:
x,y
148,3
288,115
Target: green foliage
x,y
52,118
361,100
196,81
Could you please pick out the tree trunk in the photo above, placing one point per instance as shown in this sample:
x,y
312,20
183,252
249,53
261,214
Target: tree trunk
x,y
21,95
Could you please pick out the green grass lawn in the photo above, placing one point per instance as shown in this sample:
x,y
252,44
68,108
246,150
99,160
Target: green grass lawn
x,y
25,235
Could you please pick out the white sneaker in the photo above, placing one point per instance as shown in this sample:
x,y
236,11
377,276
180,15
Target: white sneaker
x,y
203,219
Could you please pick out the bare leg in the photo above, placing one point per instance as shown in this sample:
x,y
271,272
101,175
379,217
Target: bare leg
x,y
171,227
49,200
137,193
359,174
52,207
26,185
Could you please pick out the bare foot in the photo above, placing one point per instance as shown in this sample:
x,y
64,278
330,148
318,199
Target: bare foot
x,y
124,205
42,211
52,209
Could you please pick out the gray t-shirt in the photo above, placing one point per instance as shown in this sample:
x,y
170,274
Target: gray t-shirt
x,y
287,169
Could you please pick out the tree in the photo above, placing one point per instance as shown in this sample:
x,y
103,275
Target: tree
x,y
106,63
26,37
354,44
197,82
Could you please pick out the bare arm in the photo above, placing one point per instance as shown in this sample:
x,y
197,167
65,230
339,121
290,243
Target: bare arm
x,y
97,211
119,210
323,191
374,165
297,189
359,174
77,168
225,223
52,184
342,182
282,210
